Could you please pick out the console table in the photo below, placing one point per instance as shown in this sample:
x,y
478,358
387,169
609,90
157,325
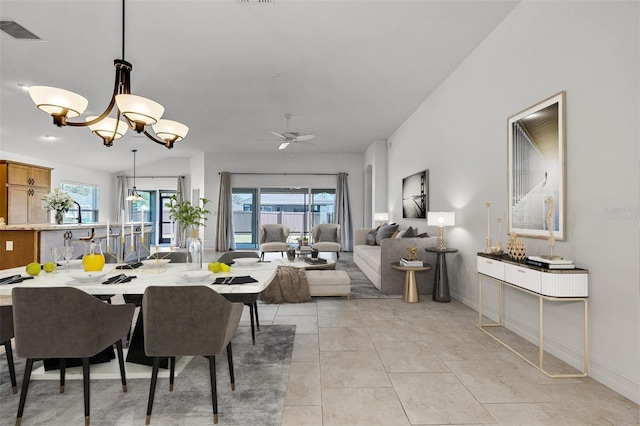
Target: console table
x,y
553,285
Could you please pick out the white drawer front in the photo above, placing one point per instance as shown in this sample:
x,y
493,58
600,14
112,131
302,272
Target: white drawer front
x,y
523,277
493,268
565,285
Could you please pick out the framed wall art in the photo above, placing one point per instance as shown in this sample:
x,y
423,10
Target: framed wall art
x,y
415,195
536,170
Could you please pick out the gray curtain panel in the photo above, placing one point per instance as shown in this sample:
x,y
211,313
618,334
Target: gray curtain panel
x,y
343,213
225,240
181,241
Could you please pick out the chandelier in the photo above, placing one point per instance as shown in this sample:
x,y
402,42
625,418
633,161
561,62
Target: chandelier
x,y
136,112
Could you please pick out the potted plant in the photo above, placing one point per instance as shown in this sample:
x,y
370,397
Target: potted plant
x,y
59,201
190,217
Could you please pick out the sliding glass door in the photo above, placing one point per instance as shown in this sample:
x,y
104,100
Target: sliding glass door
x,y
297,208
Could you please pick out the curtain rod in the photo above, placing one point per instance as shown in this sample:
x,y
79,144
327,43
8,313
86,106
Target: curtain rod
x,y
153,177
286,174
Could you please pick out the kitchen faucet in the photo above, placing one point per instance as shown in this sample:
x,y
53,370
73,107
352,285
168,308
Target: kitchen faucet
x,y
79,212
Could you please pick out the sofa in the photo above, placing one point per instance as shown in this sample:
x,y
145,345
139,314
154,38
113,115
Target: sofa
x,y
374,261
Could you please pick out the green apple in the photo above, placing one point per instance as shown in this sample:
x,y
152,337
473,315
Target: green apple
x,y
33,269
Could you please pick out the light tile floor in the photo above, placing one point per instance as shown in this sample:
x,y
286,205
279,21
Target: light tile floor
x,y
386,362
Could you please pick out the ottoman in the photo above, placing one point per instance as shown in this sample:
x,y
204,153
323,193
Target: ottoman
x,y
329,283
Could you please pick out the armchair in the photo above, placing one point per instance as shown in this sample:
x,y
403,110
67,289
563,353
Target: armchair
x,y
326,237
273,238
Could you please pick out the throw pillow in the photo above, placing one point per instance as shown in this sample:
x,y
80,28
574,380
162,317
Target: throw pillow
x,y
273,235
370,239
423,235
329,235
400,233
385,231
411,232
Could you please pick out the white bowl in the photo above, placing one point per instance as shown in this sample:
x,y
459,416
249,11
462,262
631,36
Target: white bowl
x,y
195,276
88,277
73,263
245,261
150,263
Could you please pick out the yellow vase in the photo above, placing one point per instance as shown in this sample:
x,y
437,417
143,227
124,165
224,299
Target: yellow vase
x,y
93,259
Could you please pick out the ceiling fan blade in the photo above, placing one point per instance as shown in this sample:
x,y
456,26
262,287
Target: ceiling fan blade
x,y
283,145
278,135
305,137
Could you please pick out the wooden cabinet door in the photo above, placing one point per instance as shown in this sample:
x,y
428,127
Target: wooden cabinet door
x,y
19,174
36,213
41,177
18,202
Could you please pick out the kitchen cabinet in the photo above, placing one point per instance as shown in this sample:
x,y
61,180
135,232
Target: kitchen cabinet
x,y
23,187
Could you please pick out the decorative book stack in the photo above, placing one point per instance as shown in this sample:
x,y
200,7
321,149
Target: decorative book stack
x,y
411,263
549,263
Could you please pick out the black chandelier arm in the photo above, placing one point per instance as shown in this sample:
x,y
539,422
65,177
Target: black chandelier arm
x,y
168,144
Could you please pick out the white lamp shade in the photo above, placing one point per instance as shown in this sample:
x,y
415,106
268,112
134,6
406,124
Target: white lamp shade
x,y
139,109
55,101
441,218
105,127
167,130
382,217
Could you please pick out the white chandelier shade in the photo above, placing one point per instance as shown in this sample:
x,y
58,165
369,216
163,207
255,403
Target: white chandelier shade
x,y
139,109
108,128
169,130
56,101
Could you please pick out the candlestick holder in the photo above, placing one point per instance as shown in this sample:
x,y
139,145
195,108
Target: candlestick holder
x,y
497,249
487,248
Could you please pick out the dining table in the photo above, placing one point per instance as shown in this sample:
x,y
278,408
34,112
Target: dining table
x,y
151,274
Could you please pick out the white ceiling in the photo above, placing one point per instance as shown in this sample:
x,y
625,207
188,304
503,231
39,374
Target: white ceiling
x,y
349,72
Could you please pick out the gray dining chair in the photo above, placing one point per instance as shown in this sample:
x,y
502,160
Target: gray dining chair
x,y
6,334
188,321
250,300
65,322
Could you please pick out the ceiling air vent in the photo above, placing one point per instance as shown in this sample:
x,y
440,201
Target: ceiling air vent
x,y
16,30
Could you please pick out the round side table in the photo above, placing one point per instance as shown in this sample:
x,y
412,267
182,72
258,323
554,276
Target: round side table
x,y
441,282
410,293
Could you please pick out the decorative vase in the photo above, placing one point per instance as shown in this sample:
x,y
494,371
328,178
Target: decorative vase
x,y
194,250
291,254
93,259
59,217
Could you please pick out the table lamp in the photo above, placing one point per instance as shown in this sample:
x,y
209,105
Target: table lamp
x,y
380,218
441,219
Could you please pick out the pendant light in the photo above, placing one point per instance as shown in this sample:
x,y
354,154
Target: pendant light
x,y
134,194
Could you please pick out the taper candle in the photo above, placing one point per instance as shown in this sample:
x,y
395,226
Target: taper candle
x,y
132,247
108,235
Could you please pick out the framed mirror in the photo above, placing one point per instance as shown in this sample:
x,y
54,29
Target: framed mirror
x,y
536,170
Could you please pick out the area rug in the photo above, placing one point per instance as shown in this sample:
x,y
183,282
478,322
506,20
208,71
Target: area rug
x,y
361,286
261,375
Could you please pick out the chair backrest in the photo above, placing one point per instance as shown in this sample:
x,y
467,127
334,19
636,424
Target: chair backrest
x,y
325,227
175,256
271,229
187,320
6,323
65,322
230,255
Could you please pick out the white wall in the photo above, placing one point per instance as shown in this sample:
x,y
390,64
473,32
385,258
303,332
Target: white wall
x,y
282,163
590,50
375,165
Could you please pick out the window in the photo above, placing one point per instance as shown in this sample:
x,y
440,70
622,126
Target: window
x,y
87,196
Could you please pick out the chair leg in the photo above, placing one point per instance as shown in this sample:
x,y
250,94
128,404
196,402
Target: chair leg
x,y
123,374
12,368
337,255
230,361
255,312
262,256
152,389
253,330
85,380
63,370
172,372
214,391
25,389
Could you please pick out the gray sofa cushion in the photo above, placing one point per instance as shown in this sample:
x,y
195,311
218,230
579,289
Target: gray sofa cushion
x,y
273,235
385,231
329,235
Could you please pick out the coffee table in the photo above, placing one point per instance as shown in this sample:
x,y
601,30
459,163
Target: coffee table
x,y
300,263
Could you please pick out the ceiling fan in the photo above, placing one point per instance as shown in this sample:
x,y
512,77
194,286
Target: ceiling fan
x,y
289,138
